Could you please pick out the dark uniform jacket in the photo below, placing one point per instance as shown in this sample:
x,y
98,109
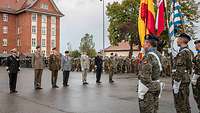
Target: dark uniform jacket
x,y
196,61
183,64
13,65
54,62
98,62
150,70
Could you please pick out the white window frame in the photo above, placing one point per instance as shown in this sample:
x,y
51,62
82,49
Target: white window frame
x,y
53,31
53,20
5,17
33,42
18,42
44,30
43,42
53,43
44,19
5,42
5,29
34,17
44,6
34,30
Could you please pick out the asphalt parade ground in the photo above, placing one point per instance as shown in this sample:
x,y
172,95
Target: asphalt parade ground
x,y
120,97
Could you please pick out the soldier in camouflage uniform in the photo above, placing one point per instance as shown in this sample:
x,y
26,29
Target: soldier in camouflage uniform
x,y
111,68
181,77
149,76
196,76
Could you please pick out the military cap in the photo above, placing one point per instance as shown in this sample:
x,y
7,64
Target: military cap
x,y
185,36
54,48
66,52
151,38
13,50
37,47
197,41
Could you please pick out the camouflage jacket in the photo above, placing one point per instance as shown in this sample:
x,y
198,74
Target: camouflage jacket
x,y
196,62
150,70
183,65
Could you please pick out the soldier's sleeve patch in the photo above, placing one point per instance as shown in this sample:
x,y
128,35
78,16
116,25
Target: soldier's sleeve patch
x,y
145,62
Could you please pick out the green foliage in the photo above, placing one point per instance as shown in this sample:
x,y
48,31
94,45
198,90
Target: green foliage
x,y
123,21
87,45
75,54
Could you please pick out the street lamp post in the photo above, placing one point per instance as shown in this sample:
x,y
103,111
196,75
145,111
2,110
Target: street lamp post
x,y
103,1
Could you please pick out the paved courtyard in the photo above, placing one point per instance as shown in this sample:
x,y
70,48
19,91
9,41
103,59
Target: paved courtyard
x,y
120,97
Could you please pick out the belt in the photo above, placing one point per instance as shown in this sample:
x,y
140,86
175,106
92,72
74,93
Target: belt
x,y
156,81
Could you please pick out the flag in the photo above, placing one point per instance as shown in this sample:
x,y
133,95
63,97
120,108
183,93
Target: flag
x,y
160,20
146,19
151,17
175,19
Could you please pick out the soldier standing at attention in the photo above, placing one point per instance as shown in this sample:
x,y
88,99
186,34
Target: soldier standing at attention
x,y
38,64
111,68
54,66
85,62
99,67
13,67
196,76
149,83
181,77
66,68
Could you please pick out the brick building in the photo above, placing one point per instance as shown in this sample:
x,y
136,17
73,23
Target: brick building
x,y
24,24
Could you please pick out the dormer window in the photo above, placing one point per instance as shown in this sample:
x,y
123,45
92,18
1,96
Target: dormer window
x,y
44,6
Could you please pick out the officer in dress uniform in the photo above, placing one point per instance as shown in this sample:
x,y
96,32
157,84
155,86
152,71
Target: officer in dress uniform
x,y
54,66
196,76
181,77
99,67
13,67
149,77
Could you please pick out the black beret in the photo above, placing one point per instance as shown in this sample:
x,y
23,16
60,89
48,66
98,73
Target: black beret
x,y
184,35
197,41
151,38
54,48
66,52
37,47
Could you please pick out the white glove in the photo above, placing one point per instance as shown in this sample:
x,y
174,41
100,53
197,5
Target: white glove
x,y
176,86
194,79
142,90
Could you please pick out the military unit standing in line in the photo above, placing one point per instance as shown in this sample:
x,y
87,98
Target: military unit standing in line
x,y
150,70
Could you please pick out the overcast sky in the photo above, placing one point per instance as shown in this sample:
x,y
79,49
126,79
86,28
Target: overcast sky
x,y
82,16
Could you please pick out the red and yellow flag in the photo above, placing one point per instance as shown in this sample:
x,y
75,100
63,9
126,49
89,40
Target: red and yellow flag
x,y
146,20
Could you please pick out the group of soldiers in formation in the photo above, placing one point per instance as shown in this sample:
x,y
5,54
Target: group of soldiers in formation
x,y
149,70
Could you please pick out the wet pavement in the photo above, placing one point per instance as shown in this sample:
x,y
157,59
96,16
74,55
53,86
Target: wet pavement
x,y
120,97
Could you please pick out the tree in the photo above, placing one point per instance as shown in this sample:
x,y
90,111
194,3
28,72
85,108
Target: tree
x,y
87,45
75,54
123,22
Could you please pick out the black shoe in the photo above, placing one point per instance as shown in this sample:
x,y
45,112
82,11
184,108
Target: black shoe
x,y
12,92
98,82
111,81
66,85
55,87
85,83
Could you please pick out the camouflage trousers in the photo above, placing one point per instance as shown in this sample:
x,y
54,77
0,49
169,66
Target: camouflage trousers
x,y
181,100
196,93
150,103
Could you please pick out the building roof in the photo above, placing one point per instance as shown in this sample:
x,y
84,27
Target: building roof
x,y
18,6
122,46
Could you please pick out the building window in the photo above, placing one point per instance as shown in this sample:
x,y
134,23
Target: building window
x,y
34,31
5,29
44,30
53,43
43,42
53,20
43,52
34,42
34,17
5,42
44,6
44,19
5,17
53,31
